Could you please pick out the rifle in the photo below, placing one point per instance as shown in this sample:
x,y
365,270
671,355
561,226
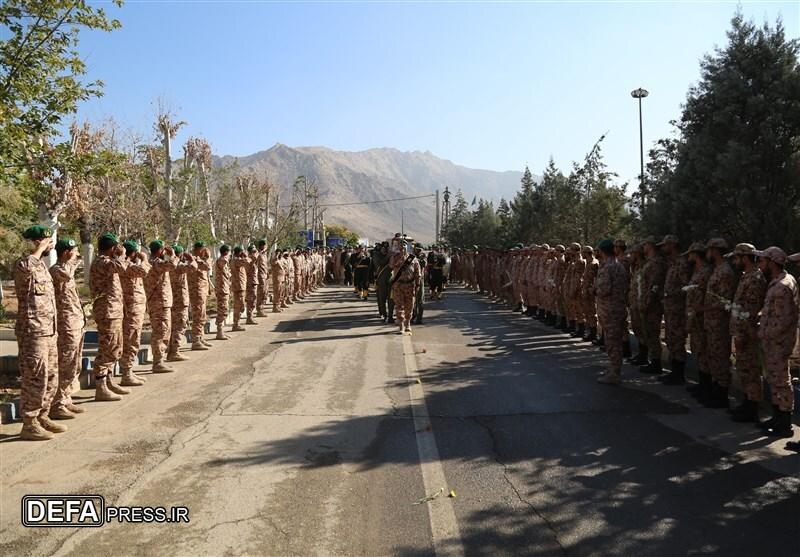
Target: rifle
x,y
408,260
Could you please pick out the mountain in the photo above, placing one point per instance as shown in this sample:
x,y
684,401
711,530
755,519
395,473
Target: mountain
x,y
377,174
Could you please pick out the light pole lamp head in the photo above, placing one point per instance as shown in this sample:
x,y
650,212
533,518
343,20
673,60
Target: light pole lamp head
x,y
639,93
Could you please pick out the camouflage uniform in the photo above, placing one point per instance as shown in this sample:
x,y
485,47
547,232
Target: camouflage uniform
x,y
278,283
108,312
198,296
716,322
252,286
135,304
239,287
695,316
36,332
748,300
610,297
70,330
222,288
408,277
159,304
677,276
180,304
777,331
651,292
263,265
588,279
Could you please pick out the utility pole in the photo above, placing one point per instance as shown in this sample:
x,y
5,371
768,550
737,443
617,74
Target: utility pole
x,y
436,236
446,208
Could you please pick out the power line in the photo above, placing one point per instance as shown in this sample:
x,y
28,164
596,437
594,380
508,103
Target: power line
x,y
372,202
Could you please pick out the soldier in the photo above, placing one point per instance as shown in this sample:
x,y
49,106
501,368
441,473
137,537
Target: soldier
x,y
716,322
578,327
222,289
405,282
239,264
695,314
674,302
278,282
383,275
747,303
587,297
435,274
158,289
610,288
70,321
251,295
135,304
180,302
198,294
777,332
36,332
361,263
297,276
419,293
651,297
263,265
108,311
620,249
635,266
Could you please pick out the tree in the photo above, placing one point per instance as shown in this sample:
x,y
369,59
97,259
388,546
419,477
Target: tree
x,y
524,208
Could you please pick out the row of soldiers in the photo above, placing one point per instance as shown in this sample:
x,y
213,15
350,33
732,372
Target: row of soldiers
x,y
723,301
126,280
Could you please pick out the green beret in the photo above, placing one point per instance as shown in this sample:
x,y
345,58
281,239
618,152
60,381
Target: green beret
x,y
251,246
262,242
130,246
107,240
156,245
606,244
177,248
64,244
238,249
37,232
224,248
198,245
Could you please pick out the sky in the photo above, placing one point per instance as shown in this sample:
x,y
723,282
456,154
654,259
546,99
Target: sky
x,y
489,85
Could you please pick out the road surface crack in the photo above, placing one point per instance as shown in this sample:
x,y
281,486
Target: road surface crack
x,y
523,500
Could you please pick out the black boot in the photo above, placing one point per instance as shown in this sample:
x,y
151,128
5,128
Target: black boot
x,y
703,390
542,315
580,328
652,368
518,309
641,358
676,376
766,424
601,342
563,325
718,398
572,326
747,411
592,336
626,347
782,426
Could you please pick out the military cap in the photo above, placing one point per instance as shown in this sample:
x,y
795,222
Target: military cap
x,y
156,245
37,232
262,242
109,237
64,244
718,243
794,258
742,249
649,240
773,253
560,248
606,244
590,249
199,244
224,248
575,246
545,247
637,248
251,247
669,239
130,245
620,243
695,247
177,248
238,249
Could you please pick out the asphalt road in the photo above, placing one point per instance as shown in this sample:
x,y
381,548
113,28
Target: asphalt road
x,y
321,432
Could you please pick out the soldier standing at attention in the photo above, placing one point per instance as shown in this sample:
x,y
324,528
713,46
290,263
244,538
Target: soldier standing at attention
x,y
405,282
719,295
135,304
634,278
278,282
747,303
198,294
158,288
695,316
675,309
108,311
180,302
610,289
36,332
587,292
70,321
222,289
239,265
297,275
382,274
620,249
252,283
263,265
651,298
778,332
419,292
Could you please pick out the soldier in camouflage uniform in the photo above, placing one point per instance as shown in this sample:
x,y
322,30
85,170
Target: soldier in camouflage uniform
x,y
135,305
222,289
278,272
716,321
695,314
158,289
620,252
198,294
747,303
610,288
108,311
180,302
70,320
263,265
778,332
36,332
239,265
405,282
677,276
587,296
651,297
634,258
578,325
251,293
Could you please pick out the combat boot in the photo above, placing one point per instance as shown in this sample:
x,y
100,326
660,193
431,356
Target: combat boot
x,y
652,368
580,331
61,413
221,335
641,358
518,309
718,397
676,375
601,341
199,346
51,426
782,427
129,380
74,409
250,321
32,430
102,393
766,424
592,336
238,328
116,388
610,377
176,357
571,327
261,313
204,342
159,367
626,347
747,411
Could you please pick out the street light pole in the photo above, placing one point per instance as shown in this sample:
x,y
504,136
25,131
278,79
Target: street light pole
x,y
640,94
402,221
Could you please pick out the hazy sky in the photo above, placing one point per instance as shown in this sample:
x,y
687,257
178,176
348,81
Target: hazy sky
x,y
486,85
